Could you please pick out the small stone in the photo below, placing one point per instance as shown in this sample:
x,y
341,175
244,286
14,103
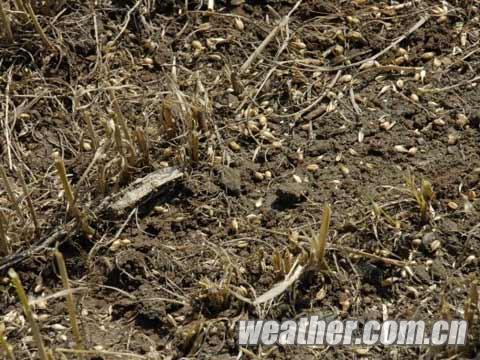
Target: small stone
x,y
416,242
371,274
230,180
452,149
475,119
290,194
438,270
428,238
319,147
421,273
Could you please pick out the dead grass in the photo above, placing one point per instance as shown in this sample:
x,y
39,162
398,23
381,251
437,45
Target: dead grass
x,y
259,116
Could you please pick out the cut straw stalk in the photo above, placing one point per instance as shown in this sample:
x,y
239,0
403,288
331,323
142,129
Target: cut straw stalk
x,y
6,23
62,173
11,194
472,304
194,146
118,138
4,345
319,242
28,314
167,119
36,24
143,144
31,208
74,210
120,120
20,6
70,301
22,11
91,131
4,247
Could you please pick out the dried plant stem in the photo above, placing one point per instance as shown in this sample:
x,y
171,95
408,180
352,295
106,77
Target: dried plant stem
x,y
48,4
5,346
472,303
167,117
4,247
194,146
285,20
75,211
118,139
50,354
20,6
6,118
28,314
102,179
10,193
447,88
70,301
347,250
37,26
120,119
6,24
143,144
379,212
26,193
62,173
321,239
91,132
120,355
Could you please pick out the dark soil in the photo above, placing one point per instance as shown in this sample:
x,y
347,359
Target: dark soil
x,y
166,280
